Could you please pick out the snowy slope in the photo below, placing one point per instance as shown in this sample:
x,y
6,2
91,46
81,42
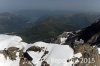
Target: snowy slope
x,y
9,41
56,52
52,54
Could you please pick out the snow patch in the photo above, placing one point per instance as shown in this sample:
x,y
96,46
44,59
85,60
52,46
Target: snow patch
x,y
78,55
98,50
63,40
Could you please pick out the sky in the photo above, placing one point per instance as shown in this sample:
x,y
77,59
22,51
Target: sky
x,y
75,5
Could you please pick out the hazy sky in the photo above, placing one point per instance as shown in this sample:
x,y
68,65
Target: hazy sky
x,y
77,5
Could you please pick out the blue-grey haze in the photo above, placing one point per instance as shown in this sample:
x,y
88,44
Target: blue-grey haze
x,y
76,5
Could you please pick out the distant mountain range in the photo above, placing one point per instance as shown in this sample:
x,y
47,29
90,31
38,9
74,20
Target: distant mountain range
x,y
31,24
49,27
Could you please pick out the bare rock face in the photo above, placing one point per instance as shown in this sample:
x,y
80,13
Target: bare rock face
x,y
90,55
35,48
24,62
44,63
11,53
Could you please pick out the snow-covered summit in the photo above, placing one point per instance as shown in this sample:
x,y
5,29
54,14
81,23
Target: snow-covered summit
x,y
14,52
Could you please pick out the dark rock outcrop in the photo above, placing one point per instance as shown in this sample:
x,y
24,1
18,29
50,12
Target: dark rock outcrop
x,y
90,34
90,31
27,56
